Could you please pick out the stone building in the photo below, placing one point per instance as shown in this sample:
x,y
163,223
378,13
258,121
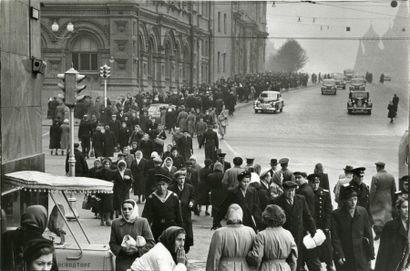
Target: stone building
x,y
239,38
152,45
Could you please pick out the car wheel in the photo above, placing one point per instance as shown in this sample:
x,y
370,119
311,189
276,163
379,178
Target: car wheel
x,y
323,93
369,112
349,111
256,111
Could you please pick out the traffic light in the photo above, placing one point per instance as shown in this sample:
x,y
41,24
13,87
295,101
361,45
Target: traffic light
x,y
70,86
105,71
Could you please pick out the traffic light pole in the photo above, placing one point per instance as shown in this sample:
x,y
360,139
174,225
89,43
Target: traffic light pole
x,y
71,158
105,93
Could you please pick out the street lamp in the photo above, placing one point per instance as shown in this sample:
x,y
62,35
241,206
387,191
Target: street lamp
x,y
55,28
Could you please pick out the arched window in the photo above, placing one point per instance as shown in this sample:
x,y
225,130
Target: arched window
x,y
84,54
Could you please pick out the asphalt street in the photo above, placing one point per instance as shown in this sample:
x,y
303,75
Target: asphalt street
x,y
312,128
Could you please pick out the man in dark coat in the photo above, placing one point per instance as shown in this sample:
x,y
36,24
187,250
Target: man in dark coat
x,y
211,143
298,221
221,159
352,236
186,197
138,168
178,160
180,142
362,190
305,190
284,174
122,179
109,142
150,181
81,166
246,197
323,211
84,135
115,126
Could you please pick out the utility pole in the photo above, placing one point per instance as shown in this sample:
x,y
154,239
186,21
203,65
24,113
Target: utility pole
x,y
105,72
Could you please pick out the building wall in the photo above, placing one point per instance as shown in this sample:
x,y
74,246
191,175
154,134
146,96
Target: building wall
x,y
21,130
152,43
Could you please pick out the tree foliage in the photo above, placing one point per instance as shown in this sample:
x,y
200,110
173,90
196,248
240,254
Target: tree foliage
x,y
291,57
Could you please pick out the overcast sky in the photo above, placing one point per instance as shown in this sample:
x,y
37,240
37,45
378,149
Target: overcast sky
x,y
326,20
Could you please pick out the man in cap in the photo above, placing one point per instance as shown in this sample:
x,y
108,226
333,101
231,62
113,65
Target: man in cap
x,y
344,178
221,159
139,171
362,190
162,208
246,197
211,143
186,195
404,188
323,211
81,166
305,190
178,160
284,174
381,198
151,179
298,221
273,166
352,236
115,126
230,179
249,163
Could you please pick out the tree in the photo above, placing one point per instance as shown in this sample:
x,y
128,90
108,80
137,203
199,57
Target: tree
x,y
291,57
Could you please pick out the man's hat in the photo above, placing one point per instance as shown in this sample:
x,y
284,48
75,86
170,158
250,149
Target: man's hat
x,y
380,164
313,177
222,154
157,160
290,184
273,162
300,173
358,170
283,161
244,174
250,160
76,145
405,178
348,168
162,178
179,173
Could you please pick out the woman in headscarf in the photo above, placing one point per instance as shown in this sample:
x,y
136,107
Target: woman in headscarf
x,y
167,255
218,191
130,225
393,252
203,186
123,180
230,244
33,223
106,203
274,248
168,165
38,255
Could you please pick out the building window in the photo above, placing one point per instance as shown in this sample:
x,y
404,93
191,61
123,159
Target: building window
x,y
205,11
224,23
223,61
219,62
219,21
84,54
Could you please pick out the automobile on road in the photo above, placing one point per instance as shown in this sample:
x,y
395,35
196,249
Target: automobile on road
x,y
357,83
387,77
269,101
359,102
339,80
328,87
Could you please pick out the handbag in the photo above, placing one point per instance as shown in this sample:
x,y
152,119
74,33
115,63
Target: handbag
x,y
86,203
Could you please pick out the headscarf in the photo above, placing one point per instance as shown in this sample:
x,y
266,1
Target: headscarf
x,y
35,218
167,238
164,165
218,167
134,213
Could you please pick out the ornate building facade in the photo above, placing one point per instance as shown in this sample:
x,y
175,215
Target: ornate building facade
x,y
151,44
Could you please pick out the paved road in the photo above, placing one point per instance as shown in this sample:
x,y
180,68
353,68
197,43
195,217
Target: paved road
x,y
313,128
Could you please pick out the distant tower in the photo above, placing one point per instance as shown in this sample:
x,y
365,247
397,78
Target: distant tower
x,y
369,52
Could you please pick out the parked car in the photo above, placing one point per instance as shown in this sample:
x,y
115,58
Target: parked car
x,y
269,101
359,102
340,80
357,83
387,77
154,110
328,87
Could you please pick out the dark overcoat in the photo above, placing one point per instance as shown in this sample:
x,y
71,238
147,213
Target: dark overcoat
x,y
138,172
323,208
393,246
121,188
106,203
352,239
211,143
203,186
150,181
218,191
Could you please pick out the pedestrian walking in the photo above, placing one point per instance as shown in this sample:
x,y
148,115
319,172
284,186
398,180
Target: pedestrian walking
x,y
231,243
122,179
84,135
55,137
343,179
129,225
204,187
222,122
324,178
109,142
352,236
392,111
381,197
162,208
81,166
362,190
106,200
230,179
65,136
217,189
274,248
98,142
211,143
168,164
200,129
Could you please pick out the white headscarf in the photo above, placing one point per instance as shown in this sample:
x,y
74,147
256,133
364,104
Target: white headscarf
x,y
135,211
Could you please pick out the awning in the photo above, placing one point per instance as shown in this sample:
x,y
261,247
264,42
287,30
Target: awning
x,y
37,181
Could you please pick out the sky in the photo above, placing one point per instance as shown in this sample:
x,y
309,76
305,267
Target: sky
x,y
320,23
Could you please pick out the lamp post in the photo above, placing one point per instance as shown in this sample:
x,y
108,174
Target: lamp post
x,y
55,27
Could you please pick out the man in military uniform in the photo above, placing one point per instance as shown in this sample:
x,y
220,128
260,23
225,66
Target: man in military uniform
x,y
362,189
273,166
323,208
211,143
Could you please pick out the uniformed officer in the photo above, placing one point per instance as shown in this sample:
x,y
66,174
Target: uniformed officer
x,y
362,189
323,207
284,174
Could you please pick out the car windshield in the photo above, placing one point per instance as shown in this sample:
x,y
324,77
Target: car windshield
x,y
272,96
357,81
360,95
153,108
328,82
